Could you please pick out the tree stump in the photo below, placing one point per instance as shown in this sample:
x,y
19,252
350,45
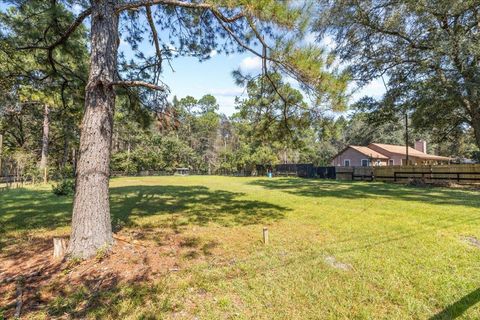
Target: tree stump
x,y
59,247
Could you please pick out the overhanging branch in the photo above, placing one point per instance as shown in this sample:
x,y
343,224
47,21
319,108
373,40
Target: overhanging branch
x,y
139,84
177,3
155,38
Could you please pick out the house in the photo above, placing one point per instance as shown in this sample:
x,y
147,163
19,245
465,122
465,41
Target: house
x,y
379,154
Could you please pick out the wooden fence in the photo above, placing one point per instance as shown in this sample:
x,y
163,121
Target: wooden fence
x,y
354,173
461,173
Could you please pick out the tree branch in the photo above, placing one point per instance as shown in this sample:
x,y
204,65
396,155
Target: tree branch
x,y
154,36
139,84
177,3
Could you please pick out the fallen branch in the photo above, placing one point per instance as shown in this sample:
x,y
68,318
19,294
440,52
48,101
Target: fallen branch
x,y
129,242
19,303
18,277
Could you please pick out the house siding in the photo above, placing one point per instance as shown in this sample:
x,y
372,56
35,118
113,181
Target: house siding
x,y
355,158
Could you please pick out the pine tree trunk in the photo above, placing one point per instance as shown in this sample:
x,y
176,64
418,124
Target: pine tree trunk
x,y
476,124
46,129
91,225
1,150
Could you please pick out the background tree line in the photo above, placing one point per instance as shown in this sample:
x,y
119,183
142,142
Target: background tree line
x,y
192,133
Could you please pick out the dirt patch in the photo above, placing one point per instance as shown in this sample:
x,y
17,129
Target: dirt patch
x,y
332,262
472,241
137,256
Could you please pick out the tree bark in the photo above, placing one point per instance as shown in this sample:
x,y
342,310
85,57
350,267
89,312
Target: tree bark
x,y
1,155
46,130
476,124
91,223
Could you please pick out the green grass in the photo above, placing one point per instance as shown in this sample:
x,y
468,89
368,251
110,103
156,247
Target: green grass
x,y
405,245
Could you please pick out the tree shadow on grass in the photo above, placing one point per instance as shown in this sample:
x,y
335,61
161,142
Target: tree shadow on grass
x,y
357,190
193,205
377,236
25,210
459,307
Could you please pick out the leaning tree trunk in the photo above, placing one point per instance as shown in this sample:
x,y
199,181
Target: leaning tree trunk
x,y
91,226
46,128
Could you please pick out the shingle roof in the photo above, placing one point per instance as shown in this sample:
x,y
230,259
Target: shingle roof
x,y
369,152
411,152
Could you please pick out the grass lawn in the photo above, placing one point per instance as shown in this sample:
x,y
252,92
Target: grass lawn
x,y
338,250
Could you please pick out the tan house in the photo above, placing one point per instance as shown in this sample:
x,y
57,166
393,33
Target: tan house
x,y
378,154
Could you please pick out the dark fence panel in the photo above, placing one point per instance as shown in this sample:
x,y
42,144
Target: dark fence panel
x,y
304,170
325,172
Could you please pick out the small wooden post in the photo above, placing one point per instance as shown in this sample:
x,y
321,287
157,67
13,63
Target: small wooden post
x,y
59,247
265,235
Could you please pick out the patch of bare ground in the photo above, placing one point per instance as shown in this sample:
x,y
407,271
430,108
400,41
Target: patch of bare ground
x,y
334,263
136,257
472,241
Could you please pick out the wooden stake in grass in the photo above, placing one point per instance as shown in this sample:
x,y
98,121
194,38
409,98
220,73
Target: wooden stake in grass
x,y
265,235
59,247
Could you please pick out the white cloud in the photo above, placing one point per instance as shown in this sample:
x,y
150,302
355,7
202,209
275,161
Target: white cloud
x,y
213,53
375,89
251,64
77,9
227,105
328,42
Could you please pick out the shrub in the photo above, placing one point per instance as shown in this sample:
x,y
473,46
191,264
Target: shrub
x,y
64,188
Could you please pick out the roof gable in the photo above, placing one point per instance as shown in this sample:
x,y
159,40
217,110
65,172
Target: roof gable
x,y
372,154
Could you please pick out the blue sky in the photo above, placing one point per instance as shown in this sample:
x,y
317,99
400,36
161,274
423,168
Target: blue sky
x,y
214,77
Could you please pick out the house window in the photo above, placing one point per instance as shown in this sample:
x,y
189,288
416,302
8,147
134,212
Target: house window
x,y
346,163
378,163
365,162
391,162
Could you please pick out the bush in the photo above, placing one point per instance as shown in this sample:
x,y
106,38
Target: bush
x,y
64,188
